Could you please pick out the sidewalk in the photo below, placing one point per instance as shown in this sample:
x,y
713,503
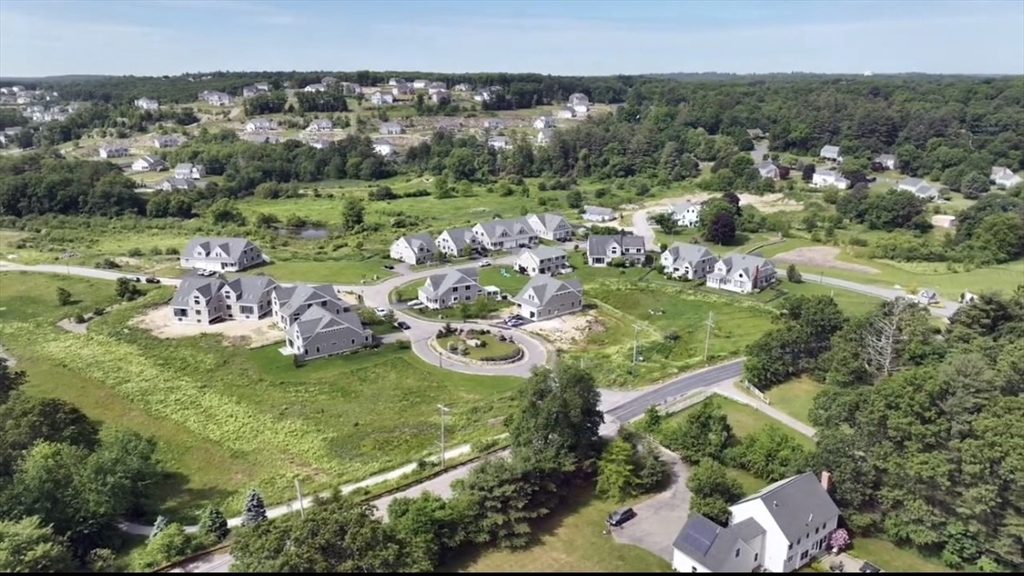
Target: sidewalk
x,y
729,390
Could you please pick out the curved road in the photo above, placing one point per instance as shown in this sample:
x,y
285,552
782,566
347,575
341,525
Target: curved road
x,y
374,295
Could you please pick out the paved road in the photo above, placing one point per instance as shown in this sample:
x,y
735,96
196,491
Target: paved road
x,y
675,388
760,149
79,271
947,308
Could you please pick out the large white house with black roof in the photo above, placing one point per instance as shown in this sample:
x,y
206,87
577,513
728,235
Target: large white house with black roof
x,y
221,254
779,529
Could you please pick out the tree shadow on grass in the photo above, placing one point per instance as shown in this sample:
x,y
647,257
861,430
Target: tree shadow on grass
x,y
579,498
174,499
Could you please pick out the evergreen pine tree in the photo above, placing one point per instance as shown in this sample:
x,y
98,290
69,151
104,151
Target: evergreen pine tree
x,y
254,511
158,526
214,524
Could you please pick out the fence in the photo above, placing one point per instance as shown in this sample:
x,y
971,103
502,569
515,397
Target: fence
x,y
757,393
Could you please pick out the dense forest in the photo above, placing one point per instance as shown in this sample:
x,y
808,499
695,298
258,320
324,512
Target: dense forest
x,y
919,427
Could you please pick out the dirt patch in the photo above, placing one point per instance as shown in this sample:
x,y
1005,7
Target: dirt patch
x,y
565,331
126,261
822,257
11,360
248,333
767,203
72,326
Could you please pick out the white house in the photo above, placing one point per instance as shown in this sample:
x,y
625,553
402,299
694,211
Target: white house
x,y
1003,177
598,214
149,164
188,171
440,96
435,87
579,98
382,98
544,122
420,84
831,153
450,288
221,254
544,136
414,249
505,234
768,169
782,528
384,147
545,297
396,81
391,128
827,178
113,151
457,242
888,161
602,249
320,125
259,125
743,273
581,110
315,88
483,96
499,142
147,104
686,213
541,260
690,261
550,226
919,187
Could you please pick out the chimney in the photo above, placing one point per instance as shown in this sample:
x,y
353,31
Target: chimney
x,y
826,480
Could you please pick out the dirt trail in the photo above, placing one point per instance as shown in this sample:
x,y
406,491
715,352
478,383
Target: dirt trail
x,y
822,257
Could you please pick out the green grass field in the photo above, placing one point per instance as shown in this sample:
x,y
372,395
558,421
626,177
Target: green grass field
x,y
745,420
229,418
850,302
892,558
571,539
492,346
795,397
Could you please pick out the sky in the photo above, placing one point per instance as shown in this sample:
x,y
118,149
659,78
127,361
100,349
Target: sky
x,y
564,37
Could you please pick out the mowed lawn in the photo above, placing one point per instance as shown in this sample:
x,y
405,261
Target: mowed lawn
x,y
892,558
230,418
744,420
850,302
571,539
795,397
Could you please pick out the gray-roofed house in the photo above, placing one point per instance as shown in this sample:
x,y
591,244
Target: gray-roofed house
x,y
260,125
289,303
831,153
439,96
602,249
743,273
248,297
457,242
541,260
550,226
149,164
768,169
703,546
505,234
175,183
545,297
321,331
221,254
384,147
113,151
579,98
690,261
450,288
888,161
189,171
320,125
565,112
1003,177
168,141
382,98
414,249
545,136
927,297
198,300
391,128
829,178
918,187
598,214
686,213
542,122
755,133
494,124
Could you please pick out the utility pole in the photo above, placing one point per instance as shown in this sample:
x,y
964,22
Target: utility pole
x,y
302,507
444,410
707,339
636,346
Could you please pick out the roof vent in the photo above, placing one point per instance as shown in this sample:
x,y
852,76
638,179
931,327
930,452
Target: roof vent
x,y
809,518
775,503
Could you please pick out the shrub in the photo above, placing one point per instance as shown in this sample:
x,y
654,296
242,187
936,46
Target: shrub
x,y
485,445
78,318
98,311
793,275
135,252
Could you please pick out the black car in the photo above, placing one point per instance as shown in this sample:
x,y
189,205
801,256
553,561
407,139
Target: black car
x,y
136,279
402,324
388,267
620,517
152,280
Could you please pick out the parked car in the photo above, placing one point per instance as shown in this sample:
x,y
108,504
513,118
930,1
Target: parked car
x,y
620,517
388,267
136,279
381,311
514,321
403,325
152,280
414,304
483,263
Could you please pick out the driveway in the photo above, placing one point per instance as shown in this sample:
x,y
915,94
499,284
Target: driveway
x,y
760,149
659,518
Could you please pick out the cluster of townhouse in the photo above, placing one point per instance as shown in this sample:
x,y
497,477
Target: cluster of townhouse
x,y
332,83
316,322
742,273
21,95
781,528
187,176
216,98
43,114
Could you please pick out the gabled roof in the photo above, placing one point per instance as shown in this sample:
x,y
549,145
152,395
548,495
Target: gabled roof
x,y
547,289
543,252
318,319
598,244
438,284
711,545
766,166
797,504
683,252
599,210
548,220
829,151
461,237
418,241
248,289
751,264
206,287
514,226
683,206
322,123
178,183
233,247
297,295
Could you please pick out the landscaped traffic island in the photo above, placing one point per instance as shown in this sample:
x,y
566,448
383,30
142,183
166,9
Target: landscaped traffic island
x,y
477,345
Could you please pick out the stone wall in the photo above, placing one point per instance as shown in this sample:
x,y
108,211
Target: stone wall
x,y
471,362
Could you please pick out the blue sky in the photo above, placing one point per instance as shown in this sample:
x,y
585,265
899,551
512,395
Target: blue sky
x,y
152,37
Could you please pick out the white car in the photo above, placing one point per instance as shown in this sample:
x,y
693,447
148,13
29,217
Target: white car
x,y
381,311
483,263
414,304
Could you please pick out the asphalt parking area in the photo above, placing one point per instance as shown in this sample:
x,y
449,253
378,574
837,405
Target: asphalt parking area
x,y
659,518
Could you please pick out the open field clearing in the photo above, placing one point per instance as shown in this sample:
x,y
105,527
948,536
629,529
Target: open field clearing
x,y
820,257
795,397
228,417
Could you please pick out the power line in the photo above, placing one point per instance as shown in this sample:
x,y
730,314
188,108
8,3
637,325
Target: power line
x,y
707,339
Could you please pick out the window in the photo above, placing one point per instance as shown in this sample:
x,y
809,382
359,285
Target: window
x,y
816,530
790,559
798,541
755,556
790,545
803,555
737,552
